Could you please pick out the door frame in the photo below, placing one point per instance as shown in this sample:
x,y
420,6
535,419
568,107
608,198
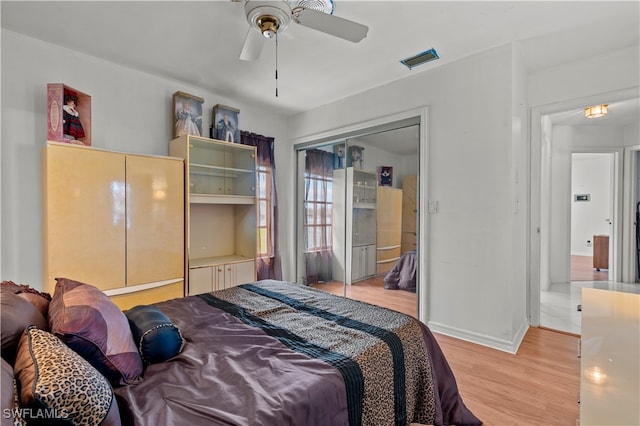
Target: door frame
x,y
630,198
539,212
394,121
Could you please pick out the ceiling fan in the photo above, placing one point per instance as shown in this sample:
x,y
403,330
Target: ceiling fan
x,y
269,18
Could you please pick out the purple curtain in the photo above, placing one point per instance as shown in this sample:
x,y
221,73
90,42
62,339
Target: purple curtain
x,y
269,267
318,252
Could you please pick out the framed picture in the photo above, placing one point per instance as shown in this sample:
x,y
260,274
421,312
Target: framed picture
x,y
385,176
68,115
355,157
338,156
226,123
187,112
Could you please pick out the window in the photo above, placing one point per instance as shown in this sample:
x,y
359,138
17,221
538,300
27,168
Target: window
x,y
318,207
265,212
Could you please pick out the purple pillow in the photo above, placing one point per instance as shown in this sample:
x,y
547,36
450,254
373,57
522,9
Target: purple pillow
x,y
86,319
39,299
16,315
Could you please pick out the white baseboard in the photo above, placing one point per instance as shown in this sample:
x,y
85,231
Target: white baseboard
x,y
510,346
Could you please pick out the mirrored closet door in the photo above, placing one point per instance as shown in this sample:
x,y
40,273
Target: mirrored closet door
x,y
357,221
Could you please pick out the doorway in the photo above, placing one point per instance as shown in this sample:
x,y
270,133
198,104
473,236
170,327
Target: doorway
x,y
394,145
591,212
558,131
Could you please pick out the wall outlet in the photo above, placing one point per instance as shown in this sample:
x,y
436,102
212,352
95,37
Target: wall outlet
x,y
588,243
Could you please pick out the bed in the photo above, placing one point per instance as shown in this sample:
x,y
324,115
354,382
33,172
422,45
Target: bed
x,y
279,353
403,274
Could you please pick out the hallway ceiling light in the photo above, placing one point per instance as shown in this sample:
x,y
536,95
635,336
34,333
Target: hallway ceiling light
x,y
596,111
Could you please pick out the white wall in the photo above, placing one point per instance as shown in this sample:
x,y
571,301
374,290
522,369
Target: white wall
x,y
608,72
131,111
476,262
590,174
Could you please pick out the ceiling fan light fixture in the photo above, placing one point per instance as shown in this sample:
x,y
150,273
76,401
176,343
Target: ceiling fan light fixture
x,y
596,111
268,25
268,17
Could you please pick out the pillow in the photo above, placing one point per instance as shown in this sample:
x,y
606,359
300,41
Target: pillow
x,y
56,383
158,339
9,396
38,298
86,319
15,315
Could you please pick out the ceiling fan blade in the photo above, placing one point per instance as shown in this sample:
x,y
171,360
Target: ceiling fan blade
x,y
252,46
331,24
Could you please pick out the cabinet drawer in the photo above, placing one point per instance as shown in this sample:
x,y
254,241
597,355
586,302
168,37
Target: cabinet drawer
x,y
387,254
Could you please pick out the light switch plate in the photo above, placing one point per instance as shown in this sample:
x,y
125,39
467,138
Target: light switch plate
x,y
432,207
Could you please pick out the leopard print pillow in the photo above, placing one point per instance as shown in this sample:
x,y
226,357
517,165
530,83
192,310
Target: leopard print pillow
x,y
56,382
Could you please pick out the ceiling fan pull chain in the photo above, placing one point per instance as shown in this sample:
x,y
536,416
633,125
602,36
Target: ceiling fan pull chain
x,y
276,64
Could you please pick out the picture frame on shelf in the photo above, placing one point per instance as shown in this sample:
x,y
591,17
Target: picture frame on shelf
x,y
68,115
187,113
339,156
385,176
355,157
226,123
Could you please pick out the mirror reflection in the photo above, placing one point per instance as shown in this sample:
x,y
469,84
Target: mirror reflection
x,y
357,217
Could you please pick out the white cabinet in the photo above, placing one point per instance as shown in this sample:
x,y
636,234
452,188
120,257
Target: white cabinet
x,y
205,279
201,280
220,206
354,224
610,354
363,262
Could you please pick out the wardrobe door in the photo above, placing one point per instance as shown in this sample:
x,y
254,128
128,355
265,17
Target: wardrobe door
x,y
409,213
389,232
155,219
83,216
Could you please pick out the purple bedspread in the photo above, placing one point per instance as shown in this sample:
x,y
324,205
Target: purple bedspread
x,y
403,274
276,353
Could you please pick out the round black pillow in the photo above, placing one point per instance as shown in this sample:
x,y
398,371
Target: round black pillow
x,y
157,338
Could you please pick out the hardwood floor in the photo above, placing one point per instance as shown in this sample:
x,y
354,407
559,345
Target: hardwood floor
x,y
537,386
582,270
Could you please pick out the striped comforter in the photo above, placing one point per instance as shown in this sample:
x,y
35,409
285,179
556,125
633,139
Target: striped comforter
x,y
279,353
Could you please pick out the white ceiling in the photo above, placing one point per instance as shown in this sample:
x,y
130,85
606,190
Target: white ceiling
x,y
198,42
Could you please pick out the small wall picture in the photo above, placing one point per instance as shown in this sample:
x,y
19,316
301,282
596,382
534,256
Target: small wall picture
x,y
385,175
187,111
355,157
226,123
338,156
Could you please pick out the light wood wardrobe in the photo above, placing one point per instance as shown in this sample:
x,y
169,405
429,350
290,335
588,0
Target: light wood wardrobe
x,y
409,213
115,221
389,222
